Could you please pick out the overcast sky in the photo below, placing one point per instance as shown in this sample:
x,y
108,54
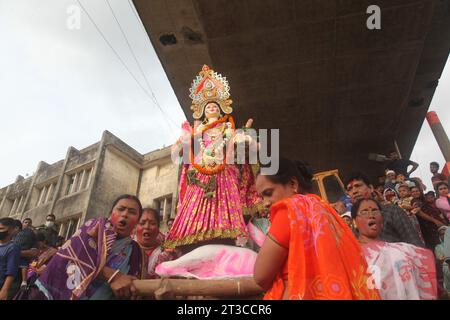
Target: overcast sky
x,y
62,87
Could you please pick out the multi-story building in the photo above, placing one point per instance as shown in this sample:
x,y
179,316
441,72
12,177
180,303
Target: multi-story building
x,y
85,183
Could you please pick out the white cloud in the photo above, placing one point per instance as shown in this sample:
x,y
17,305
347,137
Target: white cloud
x,y
64,87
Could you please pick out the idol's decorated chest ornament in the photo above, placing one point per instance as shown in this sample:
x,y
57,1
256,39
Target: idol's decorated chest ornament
x,y
214,193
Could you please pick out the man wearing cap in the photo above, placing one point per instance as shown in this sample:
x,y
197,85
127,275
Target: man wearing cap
x,y
347,217
390,179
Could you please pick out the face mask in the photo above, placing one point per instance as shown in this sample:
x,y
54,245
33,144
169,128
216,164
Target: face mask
x,y
3,235
49,224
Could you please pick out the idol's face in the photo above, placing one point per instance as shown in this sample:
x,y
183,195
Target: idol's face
x,y
212,110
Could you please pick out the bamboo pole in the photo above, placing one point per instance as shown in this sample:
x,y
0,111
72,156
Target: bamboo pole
x,y
241,287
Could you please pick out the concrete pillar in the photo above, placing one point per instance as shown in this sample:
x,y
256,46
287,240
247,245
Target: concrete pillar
x,y
19,206
439,134
165,218
49,192
41,195
95,173
83,175
60,182
75,182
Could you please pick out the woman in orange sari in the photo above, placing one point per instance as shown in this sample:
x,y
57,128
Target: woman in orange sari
x,y
309,252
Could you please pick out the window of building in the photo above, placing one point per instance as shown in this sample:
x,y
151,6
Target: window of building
x,y
164,206
46,193
86,179
68,227
79,181
18,204
71,183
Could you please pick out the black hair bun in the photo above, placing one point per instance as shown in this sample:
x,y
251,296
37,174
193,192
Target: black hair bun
x,y
305,170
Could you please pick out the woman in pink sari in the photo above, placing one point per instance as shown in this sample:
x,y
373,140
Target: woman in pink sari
x,y
443,200
213,194
399,270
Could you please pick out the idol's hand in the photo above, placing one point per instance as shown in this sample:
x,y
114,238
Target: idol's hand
x,y
241,136
185,132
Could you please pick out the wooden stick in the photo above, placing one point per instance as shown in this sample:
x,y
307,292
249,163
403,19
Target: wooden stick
x,y
192,287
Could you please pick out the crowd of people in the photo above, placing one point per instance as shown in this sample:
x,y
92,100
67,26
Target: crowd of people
x,y
390,234
383,240
23,251
408,218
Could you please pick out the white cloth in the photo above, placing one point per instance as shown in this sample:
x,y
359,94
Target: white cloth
x,y
401,271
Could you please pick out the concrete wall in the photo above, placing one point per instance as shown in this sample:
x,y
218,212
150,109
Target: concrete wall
x,y
117,176
19,188
47,172
38,214
70,205
83,156
158,181
14,191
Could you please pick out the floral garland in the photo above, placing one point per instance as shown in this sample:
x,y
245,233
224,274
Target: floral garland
x,y
207,127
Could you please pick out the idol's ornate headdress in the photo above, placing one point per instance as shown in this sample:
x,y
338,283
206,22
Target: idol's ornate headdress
x,y
209,86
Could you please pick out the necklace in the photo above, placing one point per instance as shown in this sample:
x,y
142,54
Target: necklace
x,y
213,169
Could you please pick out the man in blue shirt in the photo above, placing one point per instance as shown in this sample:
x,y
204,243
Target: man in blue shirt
x,y
9,258
26,240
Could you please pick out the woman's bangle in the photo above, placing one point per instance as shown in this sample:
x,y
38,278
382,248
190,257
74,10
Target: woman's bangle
x,y
112,277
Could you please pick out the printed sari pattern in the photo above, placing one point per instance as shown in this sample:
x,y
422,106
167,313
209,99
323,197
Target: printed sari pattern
x,y
403,271
325,260
80,260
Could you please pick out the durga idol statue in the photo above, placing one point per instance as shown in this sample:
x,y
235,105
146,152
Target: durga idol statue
x,y
213,195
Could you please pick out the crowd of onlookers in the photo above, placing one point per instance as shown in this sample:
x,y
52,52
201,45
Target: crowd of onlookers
x,y
394,215
20,246
404,198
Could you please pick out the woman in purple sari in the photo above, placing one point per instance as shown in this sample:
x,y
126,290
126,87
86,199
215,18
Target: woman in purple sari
x,y
99,262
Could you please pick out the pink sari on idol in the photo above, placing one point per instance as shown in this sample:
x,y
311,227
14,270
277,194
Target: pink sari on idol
x,y
401,271
212,206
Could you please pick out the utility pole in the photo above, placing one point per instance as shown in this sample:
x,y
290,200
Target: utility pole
x,y
441,138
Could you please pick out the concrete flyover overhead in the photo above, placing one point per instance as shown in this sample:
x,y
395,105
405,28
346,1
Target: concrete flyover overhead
x,y
337,90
